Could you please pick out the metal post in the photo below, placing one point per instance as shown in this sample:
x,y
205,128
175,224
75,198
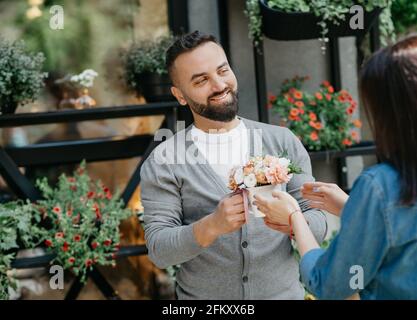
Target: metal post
x,y
260,78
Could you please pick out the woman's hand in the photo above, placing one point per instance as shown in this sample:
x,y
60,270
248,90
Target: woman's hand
x,y
278,209
325,196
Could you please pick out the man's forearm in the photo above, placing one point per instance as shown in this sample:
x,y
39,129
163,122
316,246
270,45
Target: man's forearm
x,y
204,231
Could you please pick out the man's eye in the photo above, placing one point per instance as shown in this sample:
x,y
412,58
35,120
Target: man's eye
x,y
222,71
200,81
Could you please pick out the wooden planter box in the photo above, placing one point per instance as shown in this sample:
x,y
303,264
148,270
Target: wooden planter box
x,y
280,25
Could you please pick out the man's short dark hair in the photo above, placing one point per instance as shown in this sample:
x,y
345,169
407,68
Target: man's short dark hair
x,y
186,43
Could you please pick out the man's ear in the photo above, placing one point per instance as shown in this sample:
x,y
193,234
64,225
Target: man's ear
x,y
178,95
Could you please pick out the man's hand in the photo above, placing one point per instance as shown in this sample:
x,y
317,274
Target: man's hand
x,y
228,217
325,196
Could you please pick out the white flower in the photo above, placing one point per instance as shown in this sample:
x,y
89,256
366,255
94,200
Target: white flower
x,y
238,176
284,162
250,180
85,78
258,166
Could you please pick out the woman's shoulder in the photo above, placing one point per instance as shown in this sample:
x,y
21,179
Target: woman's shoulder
x,y
382,172
385,178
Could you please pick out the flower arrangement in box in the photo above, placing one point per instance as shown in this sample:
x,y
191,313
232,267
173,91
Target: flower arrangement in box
x,y
84,220
76,94
261,175
322,120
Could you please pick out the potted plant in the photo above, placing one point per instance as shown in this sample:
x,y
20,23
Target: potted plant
x,y
145,70
84,218
21,76
16,227
300,19
322,120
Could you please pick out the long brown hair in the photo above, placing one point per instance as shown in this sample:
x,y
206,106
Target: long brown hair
x,y
388,89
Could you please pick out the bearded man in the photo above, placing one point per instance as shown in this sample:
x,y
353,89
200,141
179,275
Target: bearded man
x,y
191,217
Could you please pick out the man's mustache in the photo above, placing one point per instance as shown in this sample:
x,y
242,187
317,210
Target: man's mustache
x,y
218,94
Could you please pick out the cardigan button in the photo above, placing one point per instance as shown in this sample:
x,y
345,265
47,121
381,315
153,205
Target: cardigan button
x,y
245,279
244,244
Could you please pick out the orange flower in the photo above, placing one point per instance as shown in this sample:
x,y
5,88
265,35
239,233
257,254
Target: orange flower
x,y
350,110
272,98
294,118
326,83
357,123
301,111
294,112
314,136
318,126
328,97
341,98
298,94
299,104
319,96
313,116
330,89
312,124
355,136
313,103
347,142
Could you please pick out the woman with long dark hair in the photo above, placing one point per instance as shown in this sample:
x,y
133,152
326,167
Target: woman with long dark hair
x,y
375,251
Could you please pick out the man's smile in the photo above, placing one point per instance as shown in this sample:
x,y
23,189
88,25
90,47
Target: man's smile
x,y
221,97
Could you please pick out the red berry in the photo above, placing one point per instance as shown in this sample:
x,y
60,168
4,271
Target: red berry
x,y
88,262
65,247
48,243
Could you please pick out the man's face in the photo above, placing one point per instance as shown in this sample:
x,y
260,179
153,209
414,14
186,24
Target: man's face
x,y
204,80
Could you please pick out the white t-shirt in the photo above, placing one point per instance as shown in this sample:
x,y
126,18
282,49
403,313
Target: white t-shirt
x,y
223,150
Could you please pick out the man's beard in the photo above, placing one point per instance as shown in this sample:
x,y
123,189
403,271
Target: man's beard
x,y
223,112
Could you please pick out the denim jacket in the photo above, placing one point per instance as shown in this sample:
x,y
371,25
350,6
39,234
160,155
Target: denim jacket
x,y
375,251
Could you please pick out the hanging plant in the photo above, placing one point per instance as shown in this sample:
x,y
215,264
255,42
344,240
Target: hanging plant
x,y
327,12
84,217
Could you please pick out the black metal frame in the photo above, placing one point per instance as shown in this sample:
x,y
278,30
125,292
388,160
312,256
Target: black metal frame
x,y
178,16
54,153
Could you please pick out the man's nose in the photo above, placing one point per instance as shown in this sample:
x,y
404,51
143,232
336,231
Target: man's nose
x,y
218,85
